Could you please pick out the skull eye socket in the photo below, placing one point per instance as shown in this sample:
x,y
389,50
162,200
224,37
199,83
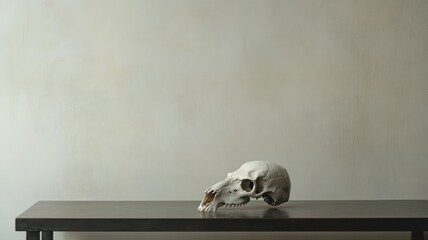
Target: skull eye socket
x,y
247,185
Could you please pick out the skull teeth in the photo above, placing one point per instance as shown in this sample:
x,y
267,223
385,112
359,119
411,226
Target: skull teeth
x,y
230,205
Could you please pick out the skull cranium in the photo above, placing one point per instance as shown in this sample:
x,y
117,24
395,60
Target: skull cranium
x,y
253,179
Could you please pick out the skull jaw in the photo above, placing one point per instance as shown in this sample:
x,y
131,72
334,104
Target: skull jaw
x,y
224,195
210,206
216,203
207,202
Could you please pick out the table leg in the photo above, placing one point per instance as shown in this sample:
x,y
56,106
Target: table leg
x,y
417,235
47,235
33,235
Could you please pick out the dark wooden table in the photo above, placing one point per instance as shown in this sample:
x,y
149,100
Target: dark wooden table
x,y
48,216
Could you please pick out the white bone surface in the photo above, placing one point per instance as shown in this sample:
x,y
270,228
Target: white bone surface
x,y
253,179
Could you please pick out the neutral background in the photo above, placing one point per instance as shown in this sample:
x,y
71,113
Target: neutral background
x,y
157,100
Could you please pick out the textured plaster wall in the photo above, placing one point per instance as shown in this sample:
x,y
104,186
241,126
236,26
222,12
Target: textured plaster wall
x,y
157,100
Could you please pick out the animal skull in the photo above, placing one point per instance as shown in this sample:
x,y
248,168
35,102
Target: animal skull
x,y
253,179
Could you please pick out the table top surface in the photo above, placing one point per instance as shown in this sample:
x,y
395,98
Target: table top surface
x,y
380,209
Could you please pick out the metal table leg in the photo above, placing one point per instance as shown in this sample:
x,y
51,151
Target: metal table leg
x,y
33,235
417,235
47,235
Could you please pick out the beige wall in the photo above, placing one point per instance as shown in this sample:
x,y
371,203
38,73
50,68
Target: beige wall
x,y
159,99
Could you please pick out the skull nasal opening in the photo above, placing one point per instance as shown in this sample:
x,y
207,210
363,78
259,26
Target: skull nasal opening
x,y
247,185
